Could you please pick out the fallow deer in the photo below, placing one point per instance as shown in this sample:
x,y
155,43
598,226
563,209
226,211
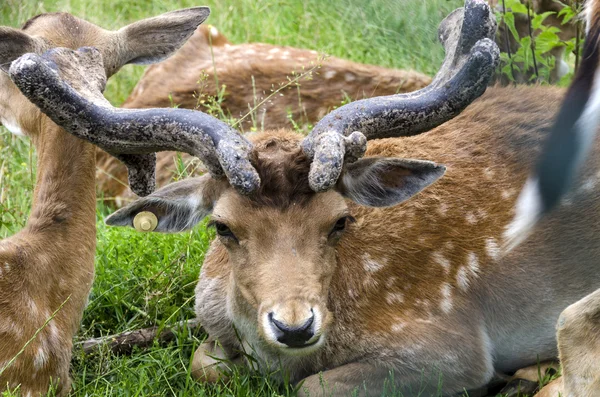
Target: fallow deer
x,y
46,269
324,270
250,73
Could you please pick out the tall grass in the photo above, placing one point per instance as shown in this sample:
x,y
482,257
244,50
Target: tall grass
x,y
143,280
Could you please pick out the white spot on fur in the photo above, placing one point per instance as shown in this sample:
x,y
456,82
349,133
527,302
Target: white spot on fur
x,y
398,327
492,248
527,213
462,278
441,260
390,282
506,194
349,77
274,50
394,297
489,173
443,209
467,273
471,218
269,57
369,283
352,294
250,51
6,267
589,185
371,265
330,74
40,359
285,54
446,302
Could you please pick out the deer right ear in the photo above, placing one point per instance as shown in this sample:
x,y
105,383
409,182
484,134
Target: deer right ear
x,y
155,39
14,43
177,207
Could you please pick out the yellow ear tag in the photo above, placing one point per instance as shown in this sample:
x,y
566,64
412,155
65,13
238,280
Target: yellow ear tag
x,y
145,221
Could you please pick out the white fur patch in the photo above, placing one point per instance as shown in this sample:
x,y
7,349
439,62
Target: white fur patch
x,y
398,327
446,302
371,265
349,77
492,248
471,218
214,32
330,74
40,359
394,298
274,50
441,260
527,213
467,273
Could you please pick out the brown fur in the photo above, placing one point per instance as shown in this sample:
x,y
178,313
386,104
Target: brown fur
x,y
250,73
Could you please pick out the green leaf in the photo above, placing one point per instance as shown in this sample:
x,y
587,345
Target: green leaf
x,y
547,41
516,7
536,21
509,20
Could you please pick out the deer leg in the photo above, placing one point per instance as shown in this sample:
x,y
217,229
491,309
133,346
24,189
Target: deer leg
x,y
527,380
211,363
579,346
552,389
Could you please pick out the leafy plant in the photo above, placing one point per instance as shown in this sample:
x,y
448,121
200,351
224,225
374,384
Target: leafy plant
x,y
533,56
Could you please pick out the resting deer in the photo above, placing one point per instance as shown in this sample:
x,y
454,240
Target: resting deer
x,y
46,269
342,268
250,73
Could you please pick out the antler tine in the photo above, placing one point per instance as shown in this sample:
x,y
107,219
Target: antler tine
x,y
471,57
131,135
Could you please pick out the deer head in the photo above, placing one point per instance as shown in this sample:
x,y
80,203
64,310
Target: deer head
x,y
279,205
143,42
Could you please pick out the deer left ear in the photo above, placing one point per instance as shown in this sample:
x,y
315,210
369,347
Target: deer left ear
x,y
383,182
14,43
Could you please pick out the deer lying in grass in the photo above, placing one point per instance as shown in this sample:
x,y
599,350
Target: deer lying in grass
x,y
317,272
46,270
308,87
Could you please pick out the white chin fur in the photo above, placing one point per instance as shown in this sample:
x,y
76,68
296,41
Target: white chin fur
x,y
527,212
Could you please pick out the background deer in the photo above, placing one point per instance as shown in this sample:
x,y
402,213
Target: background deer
x,y
308,86
46,270
316,267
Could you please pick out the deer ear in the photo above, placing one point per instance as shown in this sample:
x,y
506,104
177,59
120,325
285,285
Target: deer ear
x,y
14,43
154,39
383,182
177,207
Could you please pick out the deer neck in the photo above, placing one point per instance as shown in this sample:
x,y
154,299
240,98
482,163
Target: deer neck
x,y
64,203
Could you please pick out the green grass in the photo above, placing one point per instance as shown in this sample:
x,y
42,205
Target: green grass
x,y
144,279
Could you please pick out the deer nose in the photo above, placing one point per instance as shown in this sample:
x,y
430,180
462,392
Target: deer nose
x,y
290,335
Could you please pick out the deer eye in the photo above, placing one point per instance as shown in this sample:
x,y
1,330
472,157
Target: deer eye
x,y
223,230
340,225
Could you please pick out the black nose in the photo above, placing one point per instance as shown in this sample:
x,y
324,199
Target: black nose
x,y
293,336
